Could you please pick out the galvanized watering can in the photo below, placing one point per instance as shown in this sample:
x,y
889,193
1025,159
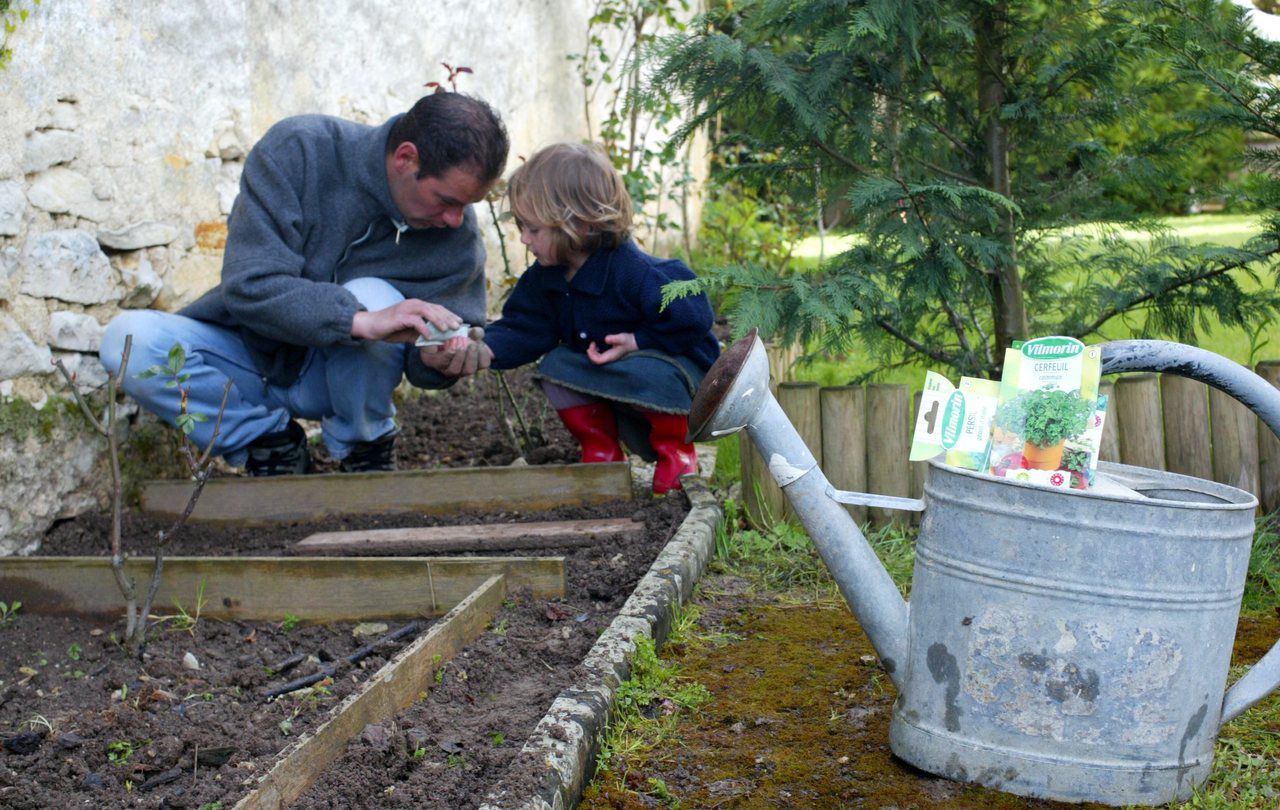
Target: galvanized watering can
x,y
1062,644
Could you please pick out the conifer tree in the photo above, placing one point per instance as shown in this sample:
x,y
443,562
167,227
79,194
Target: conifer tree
x,y
965,137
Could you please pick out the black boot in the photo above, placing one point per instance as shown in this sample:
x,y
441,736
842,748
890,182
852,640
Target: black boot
x,y
378,455
281,453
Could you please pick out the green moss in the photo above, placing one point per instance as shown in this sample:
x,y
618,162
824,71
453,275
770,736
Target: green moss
x,y
20,419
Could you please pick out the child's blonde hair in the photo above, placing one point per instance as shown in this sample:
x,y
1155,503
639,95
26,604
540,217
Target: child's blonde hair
x,y
574,190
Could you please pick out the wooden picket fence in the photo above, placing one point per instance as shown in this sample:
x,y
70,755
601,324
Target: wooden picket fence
x,y
861,437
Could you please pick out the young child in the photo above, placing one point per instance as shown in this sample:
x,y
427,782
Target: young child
x,y
615,364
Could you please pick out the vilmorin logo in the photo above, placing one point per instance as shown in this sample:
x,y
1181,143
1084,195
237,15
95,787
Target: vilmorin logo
x,y
952,419
1052,348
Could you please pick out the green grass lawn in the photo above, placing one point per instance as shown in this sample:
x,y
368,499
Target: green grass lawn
x,y
1231,230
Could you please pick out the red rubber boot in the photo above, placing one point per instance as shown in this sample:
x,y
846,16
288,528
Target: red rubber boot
x,y
596,429
676,457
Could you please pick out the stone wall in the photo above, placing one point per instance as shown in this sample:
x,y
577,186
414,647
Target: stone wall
x,y
124,131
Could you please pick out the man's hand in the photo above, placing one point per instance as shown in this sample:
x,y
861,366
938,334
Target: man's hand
x,y
403,322
620,345
459,357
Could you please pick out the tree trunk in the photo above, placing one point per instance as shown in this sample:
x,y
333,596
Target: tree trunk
x,y
1006,282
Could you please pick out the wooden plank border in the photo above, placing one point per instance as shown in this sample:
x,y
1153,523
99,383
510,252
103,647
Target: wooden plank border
x,y
263,501
315,589
425,540
397,685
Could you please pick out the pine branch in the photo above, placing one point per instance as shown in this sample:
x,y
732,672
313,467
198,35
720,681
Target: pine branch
x,y
898,334
1150,295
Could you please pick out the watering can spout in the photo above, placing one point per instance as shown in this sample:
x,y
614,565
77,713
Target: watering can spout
x,y
735,396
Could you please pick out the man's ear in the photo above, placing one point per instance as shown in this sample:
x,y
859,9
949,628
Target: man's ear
x,y
405,158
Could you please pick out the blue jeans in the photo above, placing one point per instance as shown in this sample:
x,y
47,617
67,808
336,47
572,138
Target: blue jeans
x,y
347,387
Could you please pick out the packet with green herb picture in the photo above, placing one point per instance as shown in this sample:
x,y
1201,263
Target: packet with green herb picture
x,y
1048,425
954,420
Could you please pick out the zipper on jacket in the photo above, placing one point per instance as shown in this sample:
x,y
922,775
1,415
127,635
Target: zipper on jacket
x,y
400,228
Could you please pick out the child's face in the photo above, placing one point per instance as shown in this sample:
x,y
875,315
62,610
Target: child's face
x,y
538,239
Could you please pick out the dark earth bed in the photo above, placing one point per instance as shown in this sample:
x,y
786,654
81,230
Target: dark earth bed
x,y
446,751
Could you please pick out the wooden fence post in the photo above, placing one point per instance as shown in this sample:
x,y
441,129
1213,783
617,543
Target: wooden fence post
x,y
1141,430
1235,442
1269,447
844,441
1109,449
801,403
762,499
888,446
1185,403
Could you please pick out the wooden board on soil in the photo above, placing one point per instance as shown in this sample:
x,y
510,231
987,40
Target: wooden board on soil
x,y
397,685
485,537
304,497
318,589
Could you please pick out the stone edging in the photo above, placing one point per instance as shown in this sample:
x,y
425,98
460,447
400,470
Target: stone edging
x,y
568,737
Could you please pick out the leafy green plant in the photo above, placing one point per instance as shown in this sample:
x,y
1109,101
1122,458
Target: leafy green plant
x,y
11,17
1053,415
498,738
290,622
457,761
9,612
177,360
119,752
74,652
1011,416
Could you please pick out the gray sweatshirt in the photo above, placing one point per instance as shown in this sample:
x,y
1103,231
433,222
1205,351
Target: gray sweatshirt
x,y
314,212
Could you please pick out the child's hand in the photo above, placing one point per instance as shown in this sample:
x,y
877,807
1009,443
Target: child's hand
x,y
621,345
459,356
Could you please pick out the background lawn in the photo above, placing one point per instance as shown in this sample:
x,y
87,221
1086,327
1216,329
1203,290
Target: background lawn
x,y
1231,230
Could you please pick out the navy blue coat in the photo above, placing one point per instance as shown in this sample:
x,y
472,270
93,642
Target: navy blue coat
x,y
616,290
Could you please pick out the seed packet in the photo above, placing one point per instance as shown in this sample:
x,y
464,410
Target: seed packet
x,y
956,421
1048,425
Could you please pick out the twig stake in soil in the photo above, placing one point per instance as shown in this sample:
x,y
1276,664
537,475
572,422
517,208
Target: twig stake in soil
x,y
136,620
106,427
409,629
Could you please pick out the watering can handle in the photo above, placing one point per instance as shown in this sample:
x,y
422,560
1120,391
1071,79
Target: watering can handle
x,y
1264,400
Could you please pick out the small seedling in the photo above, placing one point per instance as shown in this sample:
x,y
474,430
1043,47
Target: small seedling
x,y
498,738
119,752
184,620
74,652
290,622
211,806
457,761
500,629
419,752
8,612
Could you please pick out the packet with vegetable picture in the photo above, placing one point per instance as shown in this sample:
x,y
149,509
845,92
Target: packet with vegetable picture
x,y
1048,424
954,420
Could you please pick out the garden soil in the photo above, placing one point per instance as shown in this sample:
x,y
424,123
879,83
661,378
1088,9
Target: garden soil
x,y
83,723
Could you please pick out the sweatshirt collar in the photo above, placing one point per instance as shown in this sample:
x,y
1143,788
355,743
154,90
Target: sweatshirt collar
x,y
372,175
